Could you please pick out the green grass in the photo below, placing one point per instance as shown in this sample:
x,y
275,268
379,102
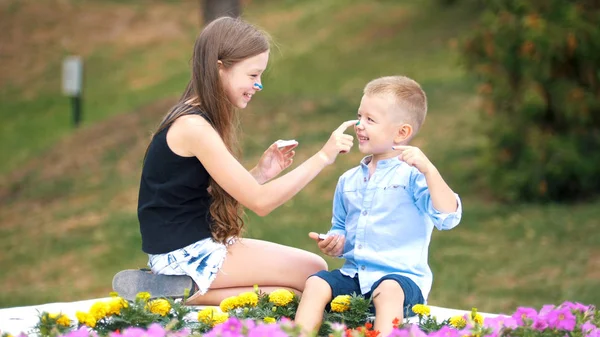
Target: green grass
x,y
68,218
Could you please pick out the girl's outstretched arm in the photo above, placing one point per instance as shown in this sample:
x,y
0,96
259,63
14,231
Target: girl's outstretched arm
x,y
193,136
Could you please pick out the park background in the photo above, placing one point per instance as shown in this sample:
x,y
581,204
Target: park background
x,y
68,195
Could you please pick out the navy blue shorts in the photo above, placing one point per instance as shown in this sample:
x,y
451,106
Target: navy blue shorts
x,y
345,285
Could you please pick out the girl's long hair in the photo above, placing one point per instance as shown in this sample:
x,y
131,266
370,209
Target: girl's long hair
x,y
229,40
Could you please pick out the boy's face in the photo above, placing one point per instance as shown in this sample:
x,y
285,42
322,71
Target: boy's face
x,y
380,125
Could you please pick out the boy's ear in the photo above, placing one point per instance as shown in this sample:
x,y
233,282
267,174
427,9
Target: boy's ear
x,y
403,133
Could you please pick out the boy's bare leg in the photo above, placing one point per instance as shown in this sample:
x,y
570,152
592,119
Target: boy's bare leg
x,y
315,297
388,299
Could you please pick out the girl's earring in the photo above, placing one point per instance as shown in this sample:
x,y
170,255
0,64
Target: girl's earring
x,y
258,86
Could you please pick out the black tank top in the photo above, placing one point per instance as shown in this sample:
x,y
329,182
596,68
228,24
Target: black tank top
x,y
173,203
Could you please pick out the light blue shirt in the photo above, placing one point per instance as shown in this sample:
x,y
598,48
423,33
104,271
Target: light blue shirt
x,y
387,220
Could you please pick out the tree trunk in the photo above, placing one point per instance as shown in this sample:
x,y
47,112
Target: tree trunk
x,y
213,9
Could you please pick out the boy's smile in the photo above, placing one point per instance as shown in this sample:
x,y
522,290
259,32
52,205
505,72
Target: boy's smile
x,y
377,130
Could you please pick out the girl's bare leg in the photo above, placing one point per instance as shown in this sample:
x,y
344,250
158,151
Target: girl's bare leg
x,y
215,296
263,263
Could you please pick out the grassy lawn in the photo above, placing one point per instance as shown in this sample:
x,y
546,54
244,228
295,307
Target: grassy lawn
x,y
68,197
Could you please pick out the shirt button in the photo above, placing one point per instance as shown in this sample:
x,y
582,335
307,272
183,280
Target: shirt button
x,y
363,267
364,213
359,246
365,179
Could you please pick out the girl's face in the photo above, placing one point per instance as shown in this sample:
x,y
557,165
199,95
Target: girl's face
x,y
239,79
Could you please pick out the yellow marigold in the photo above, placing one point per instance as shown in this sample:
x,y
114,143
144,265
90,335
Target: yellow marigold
x,y
281,297
86,319
477,318
212,316
51,316
248,298
55,317
341,303
99,310
115,304
159,306
219,317
144,296
421,309
458,322
63,320
205,315
269,320
229,303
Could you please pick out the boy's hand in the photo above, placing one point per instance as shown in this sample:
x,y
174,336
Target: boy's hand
x,y
413,156
333,245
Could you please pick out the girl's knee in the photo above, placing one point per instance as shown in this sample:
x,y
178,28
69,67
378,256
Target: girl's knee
x,y
319,263
314,263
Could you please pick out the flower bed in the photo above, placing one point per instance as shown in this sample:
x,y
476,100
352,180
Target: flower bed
x,y
257,314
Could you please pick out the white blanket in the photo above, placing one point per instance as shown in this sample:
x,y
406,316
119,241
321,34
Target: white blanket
x,y
22,319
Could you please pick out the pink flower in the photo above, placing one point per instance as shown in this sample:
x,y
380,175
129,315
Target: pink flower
x,y
539,324
230,328
181,333
156,330
500,322
267,330
338,326
415,331
562,319
589,330
400,333
445,331
81,332
575,306
525,316
546,309
133,332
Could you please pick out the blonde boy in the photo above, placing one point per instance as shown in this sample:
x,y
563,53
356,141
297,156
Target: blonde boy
x,y
384,211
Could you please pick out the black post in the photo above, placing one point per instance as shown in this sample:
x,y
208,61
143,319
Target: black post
x,y
72,85
213,9
76,105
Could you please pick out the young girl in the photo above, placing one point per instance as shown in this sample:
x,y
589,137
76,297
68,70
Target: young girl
x,y
192,187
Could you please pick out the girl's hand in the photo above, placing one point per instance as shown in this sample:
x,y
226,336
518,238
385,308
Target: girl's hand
x,y
338,143
333,245
413,156
273,161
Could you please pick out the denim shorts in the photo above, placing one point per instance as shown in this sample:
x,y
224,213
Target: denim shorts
x,y
345,285
201,261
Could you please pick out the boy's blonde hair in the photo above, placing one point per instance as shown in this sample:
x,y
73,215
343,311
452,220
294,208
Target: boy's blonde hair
x,y
409,96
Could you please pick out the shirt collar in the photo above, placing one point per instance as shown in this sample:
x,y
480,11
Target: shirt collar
x,y
382,164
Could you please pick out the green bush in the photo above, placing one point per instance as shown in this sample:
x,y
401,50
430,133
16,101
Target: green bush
x,y
538,67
